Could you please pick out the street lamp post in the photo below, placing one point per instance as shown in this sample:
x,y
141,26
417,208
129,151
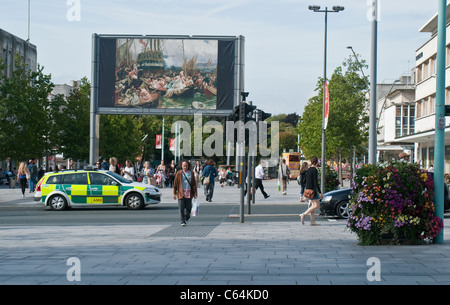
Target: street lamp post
x,y
357,60
316,9
439,135
373,87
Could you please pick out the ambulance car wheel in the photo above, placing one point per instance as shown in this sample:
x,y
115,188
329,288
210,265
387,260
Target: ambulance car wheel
x,y
134,201
58,203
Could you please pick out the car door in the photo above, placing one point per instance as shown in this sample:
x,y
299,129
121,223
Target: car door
x,y
76,187
103,189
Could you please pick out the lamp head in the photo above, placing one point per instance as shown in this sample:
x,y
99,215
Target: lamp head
x,y
314,7
338,8
244,95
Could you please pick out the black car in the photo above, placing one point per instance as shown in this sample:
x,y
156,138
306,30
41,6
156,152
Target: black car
x,y
336,203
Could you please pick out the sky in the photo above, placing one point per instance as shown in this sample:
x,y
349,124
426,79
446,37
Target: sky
x,y
284,40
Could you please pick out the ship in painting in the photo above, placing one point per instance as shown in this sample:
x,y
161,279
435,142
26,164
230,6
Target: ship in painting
x,y
151,57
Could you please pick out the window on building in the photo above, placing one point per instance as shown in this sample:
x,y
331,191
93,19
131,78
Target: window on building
x,y
433,65
412,119
419,108
432,104
419,73
448,56
404,120
421,111
398,121
426,69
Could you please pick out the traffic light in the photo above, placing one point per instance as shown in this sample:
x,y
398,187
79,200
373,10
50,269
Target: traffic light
x,y
447,110
246,112
242,112
234,117
262,116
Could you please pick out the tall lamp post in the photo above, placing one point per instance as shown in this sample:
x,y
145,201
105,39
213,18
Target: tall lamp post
x,y
373,86
316,9
357,60
439,135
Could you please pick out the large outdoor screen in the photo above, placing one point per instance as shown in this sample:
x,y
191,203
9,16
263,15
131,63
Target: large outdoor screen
x,y
155,74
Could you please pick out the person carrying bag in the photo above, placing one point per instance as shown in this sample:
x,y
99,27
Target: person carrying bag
x,y
312,191
185,190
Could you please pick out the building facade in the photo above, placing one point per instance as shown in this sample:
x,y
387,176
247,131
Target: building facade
x,y
425,96
396,118
407,110
10,45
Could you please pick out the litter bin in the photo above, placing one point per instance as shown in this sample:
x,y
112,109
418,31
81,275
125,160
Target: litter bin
x,y
12,183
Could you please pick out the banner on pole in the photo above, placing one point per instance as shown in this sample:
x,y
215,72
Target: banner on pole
x,y
327,105
158,141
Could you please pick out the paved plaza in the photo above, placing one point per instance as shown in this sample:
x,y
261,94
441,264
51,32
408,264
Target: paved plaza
x,y
256,252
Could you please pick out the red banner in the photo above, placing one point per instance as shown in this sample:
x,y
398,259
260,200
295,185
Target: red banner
x,y
327,106
158,141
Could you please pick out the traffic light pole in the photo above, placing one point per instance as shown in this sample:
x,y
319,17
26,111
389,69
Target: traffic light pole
x,y
248,174
241,154
253,158
249,184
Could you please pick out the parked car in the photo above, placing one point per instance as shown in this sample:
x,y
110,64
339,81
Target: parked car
x,y
336,203
64,189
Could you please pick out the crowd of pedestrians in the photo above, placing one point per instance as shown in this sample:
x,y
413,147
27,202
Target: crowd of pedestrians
x,y
27,175
185,179
165,175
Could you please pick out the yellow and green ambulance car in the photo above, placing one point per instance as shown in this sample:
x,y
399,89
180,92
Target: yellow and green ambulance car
x,y
64,189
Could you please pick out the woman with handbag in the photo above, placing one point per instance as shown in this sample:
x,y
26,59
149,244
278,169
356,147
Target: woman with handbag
x,y
302,180
184,189
312,191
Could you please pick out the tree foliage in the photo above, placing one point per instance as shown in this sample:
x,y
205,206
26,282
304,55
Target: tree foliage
x,y
120,137
347,122
71,121
24,129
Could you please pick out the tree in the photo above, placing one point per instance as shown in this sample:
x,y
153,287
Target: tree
x,y
292,118
309,127
24,116
287,130
71,119
121,137
347,122
348,119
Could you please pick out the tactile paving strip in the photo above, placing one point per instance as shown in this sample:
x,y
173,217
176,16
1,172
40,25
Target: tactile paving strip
x,y
190,230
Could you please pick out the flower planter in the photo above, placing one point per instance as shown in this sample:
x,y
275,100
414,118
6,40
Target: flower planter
x,y
389,239
393,197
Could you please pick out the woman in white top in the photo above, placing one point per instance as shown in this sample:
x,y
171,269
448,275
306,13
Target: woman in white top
x,y
128,171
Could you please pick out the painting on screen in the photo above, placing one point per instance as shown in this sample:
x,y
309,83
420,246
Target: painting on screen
x,y
166,73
